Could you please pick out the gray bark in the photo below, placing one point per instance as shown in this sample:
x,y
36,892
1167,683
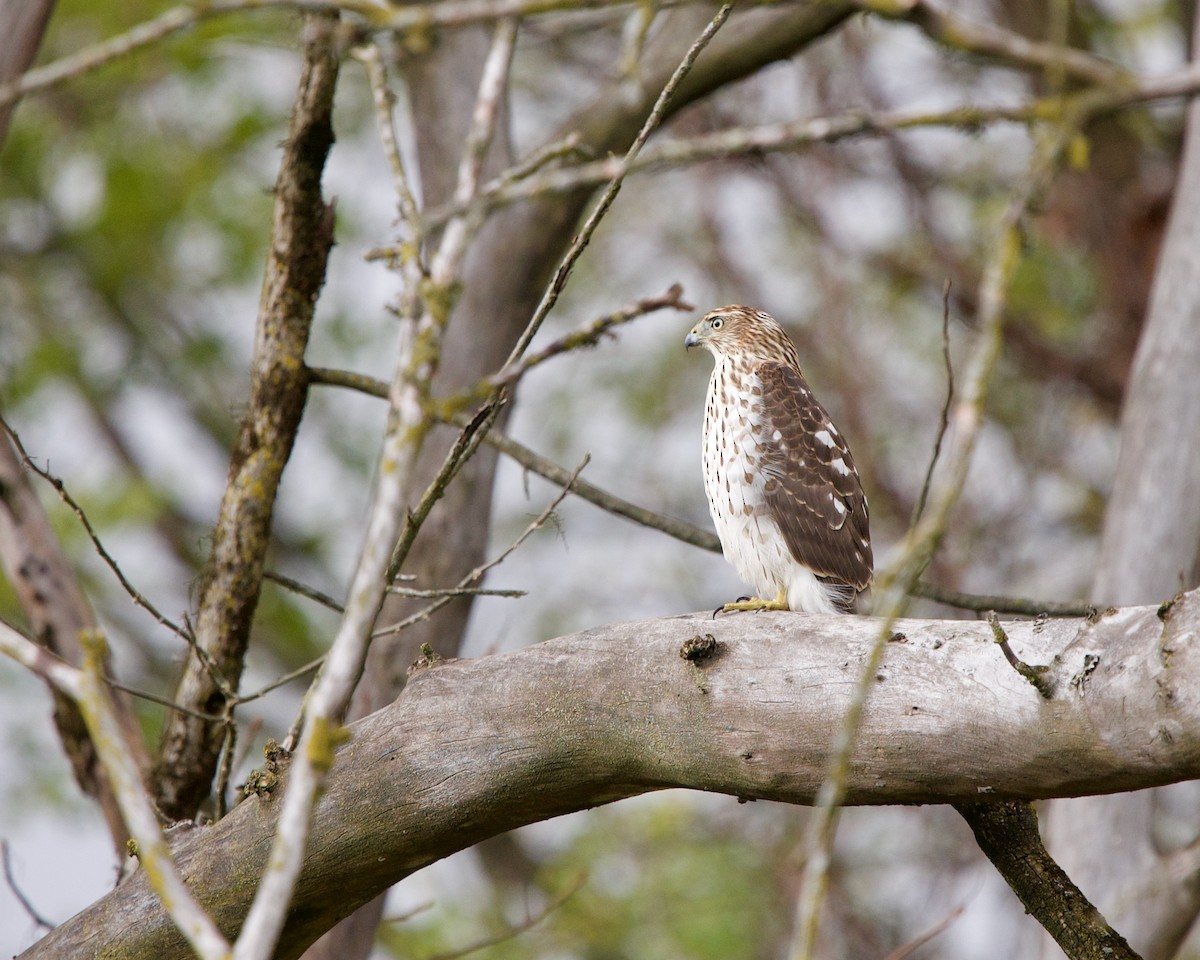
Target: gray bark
x,y
475,748
22,24
1149,552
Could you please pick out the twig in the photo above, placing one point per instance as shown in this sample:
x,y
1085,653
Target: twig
x,y
362,382
478,572
798,134
893,584
58,613
285,679
535,463
383,100
908,949
982,602
60,488
453,592
89,690
679,529
1036,674
376,16
163,701
408,914
944,419
304,590
633,44
447,264
590,334
569,146
584,236
517,929
224,769
1007,46
464,447
18,892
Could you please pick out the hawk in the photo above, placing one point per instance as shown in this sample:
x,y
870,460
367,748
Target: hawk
x,y
782,487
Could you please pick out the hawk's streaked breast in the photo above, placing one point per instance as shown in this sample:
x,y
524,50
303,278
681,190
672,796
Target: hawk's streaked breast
x,y
782,487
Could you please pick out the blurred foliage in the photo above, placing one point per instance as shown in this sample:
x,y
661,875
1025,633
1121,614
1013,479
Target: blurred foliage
x,y
657,880
134,208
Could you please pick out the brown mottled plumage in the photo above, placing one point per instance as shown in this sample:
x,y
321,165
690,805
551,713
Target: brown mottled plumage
x,y
782,487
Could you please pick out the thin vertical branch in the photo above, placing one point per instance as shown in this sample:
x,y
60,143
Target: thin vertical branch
x,y
447,264
893,585
383,100
944,419
301,238
407,426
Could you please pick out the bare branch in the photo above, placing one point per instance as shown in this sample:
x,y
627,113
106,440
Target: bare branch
x,y
407,426
278,682
58,612
477,574
24,25
944,418
590,334
1007,833
455,592
164,701
906,950
679,529
465,444
60,488
584,236
18,892
799,134
535,463
383,100
475,748
1006,46
518,928
894,584
304,590
88,689
302,236
983,602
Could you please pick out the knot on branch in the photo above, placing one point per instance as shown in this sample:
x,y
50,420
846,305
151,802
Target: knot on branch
x,y
262,782
700,648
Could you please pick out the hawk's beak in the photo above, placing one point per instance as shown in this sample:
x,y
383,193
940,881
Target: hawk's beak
x,y
691,340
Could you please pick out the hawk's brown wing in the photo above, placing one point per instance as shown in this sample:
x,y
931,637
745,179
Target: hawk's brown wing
x,y
820,507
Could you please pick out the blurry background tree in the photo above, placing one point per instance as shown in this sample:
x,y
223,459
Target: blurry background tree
x,y
134,222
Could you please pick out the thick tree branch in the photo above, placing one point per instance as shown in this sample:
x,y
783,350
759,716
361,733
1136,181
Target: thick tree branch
x,y
475,748
300,244
1007,833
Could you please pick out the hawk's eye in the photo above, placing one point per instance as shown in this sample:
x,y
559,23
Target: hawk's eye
x,y
718,322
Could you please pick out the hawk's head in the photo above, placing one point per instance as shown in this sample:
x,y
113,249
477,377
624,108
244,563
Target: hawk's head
x,y
742,332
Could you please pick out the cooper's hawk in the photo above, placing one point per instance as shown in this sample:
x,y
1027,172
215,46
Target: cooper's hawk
x,y
782,486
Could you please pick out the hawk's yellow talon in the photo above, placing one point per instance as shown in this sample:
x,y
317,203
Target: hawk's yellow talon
x,y
757,604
